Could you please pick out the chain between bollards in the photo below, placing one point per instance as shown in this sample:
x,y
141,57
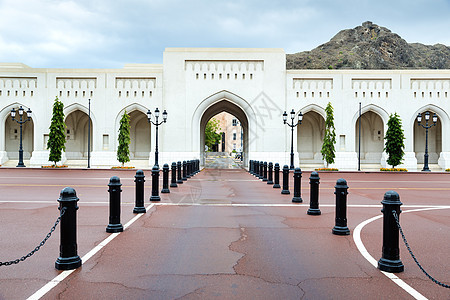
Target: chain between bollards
x,y
394,213
16,261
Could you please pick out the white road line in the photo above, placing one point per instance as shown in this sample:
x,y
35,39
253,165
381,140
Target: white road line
x,y
373,261
64,274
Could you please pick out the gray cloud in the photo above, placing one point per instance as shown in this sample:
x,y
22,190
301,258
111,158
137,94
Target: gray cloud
x,y
108,34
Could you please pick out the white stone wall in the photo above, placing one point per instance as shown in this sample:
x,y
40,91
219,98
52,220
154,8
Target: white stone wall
x,y
257,87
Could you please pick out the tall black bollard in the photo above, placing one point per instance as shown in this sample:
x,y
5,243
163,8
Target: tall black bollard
x,y
179,179
173,180
341,191
188,169
276,184
390,260
265,171
270,177
165,188
250,166
139,178
114,205
256,169
184,171
285,189
297,186
155,184
261,170
68,258
314,181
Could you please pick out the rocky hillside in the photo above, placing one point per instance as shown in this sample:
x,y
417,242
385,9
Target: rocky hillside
x,y
371,47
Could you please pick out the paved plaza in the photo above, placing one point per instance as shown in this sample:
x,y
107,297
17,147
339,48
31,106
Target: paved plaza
x,y
222,234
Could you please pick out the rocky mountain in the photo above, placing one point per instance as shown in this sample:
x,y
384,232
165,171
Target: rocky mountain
x,y
370,47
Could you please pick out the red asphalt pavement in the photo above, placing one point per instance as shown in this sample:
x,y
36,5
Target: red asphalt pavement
x,y
212,237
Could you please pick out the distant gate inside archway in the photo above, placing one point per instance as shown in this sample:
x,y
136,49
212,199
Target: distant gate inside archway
x,y
241,144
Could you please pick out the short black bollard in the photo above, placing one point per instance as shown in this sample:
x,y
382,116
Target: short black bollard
x,y
114,205
173,180
179,179
314,181
256,168
285,189
184,171
297,186
270,175
188,169
155,184
250,166
276,184
265,171
261,170
341,191
68,258
139,178
390,259
165,189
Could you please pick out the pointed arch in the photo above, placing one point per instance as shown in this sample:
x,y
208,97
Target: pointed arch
x,y
216,103
374,108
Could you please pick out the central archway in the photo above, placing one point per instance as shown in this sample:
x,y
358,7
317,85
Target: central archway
x,y
231,108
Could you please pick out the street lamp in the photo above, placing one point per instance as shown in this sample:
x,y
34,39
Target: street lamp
x,y
426,126
20,121
292,125
149,116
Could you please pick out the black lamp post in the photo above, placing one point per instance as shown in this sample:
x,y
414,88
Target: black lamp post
x,y
149,116
292,125
20,121
426,126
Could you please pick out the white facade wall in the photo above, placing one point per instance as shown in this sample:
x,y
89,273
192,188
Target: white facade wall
x,y
252,84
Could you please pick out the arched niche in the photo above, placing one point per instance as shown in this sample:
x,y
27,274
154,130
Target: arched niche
x,y
77,123
372,137
310,138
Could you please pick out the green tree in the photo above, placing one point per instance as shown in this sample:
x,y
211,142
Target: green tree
x,y
211,135
328,151
123,150
57,136
394,144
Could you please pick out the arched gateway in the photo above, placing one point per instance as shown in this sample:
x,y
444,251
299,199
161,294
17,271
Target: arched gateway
x,y
223,101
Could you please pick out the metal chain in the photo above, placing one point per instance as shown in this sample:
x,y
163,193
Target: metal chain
x,y
13,262
412,255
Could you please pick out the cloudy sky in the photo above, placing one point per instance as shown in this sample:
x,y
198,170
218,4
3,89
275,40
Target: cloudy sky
x,y
111,33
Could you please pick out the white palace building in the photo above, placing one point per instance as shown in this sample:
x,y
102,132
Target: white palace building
x,y
195,84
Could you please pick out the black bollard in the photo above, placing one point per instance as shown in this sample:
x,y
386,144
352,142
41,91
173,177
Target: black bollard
x,y
250,166
341,191
285,190
139,178
297,186
261,170
276,184
188,169
155,184
114,205
165,188
314,181
270,177
256,168
265,171
184,171
179,179
68,258
390,260
173,181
